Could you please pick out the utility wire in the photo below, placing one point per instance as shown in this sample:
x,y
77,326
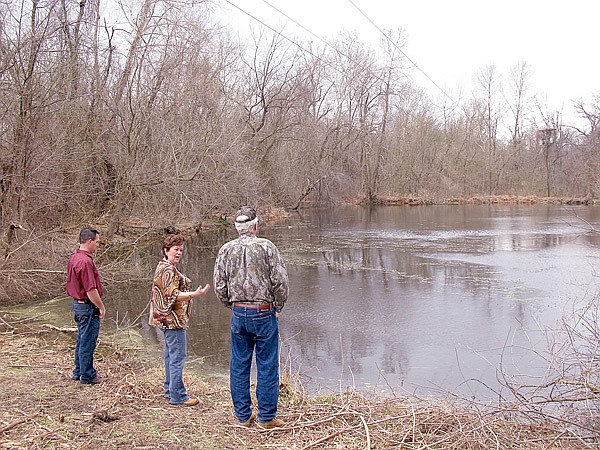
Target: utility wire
x,y
275,31
296,22
350,59
301,47
405,55
328,44
279,33
327,63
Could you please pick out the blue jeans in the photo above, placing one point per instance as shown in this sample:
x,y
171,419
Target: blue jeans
x,y
88,327
250,330
175,354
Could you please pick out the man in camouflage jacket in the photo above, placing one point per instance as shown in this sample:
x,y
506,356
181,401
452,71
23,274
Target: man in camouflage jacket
x,y
250,278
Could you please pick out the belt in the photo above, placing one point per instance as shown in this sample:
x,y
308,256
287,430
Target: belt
x,y
83,300
258,306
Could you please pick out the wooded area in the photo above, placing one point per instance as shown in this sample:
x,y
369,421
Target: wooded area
x,y
164,114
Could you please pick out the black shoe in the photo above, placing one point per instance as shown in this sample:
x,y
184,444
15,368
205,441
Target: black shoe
x,y
96,380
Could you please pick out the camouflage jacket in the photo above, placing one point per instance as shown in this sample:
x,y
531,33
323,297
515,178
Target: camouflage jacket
x,y
166,311
250,269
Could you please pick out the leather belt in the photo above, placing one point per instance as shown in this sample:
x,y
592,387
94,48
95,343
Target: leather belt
x,y
258,306
83,300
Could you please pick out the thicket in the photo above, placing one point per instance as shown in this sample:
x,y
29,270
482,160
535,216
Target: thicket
x,y
150,109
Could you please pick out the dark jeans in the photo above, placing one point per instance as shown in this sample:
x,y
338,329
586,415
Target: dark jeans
x,y
88,327
252,329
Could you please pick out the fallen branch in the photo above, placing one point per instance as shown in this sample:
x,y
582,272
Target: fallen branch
x,y
329,436
54,272
30,319
343,430
17,422
61,329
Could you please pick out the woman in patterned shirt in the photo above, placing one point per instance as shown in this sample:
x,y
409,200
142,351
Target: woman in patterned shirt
x,y
170,304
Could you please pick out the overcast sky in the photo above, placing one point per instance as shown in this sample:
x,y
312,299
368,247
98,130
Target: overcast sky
x,y
450,40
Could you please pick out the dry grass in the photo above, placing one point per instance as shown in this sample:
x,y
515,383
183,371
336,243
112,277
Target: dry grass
x,y
43,408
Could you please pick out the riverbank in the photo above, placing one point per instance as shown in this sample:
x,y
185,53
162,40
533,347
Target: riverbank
x,y
484,200
43,408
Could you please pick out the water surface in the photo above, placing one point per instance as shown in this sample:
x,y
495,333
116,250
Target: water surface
x,y
449,298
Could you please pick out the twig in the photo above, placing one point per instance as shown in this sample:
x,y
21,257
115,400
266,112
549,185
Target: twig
x,y
30,366
380,374
342,362
17,422
53,272
368,436
343,430
31,319
62,330
326,438
53,433
36,237
7,324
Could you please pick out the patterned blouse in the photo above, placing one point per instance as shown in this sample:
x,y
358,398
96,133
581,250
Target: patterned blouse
x,y
166,311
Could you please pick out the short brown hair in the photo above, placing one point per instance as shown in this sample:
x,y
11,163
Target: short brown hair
x,y
171,240
88,233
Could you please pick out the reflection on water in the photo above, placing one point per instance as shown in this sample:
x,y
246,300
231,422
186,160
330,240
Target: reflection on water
x,y
395,298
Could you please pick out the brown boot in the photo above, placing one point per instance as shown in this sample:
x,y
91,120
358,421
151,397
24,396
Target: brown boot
x,y
190,402
273,423
248,422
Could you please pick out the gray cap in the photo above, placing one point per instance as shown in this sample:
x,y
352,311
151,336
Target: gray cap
x,y
245,214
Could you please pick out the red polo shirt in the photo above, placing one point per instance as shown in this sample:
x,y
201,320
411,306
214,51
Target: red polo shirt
x,y
82,275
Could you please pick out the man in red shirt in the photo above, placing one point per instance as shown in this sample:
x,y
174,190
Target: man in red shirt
x,y
84,286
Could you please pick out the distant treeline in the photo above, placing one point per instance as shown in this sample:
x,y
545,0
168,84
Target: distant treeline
x,y
163,114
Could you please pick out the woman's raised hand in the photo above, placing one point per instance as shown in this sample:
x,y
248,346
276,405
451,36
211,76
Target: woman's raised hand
x,y
201,290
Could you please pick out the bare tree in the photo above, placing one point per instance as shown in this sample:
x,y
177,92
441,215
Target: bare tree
x,y
587,146
489,88
390,86
270,101
518,100
25,50
165,113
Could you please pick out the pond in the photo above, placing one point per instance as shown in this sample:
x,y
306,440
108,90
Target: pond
x,y
396,299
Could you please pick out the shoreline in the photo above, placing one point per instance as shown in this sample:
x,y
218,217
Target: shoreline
x,y
482,200
44,408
